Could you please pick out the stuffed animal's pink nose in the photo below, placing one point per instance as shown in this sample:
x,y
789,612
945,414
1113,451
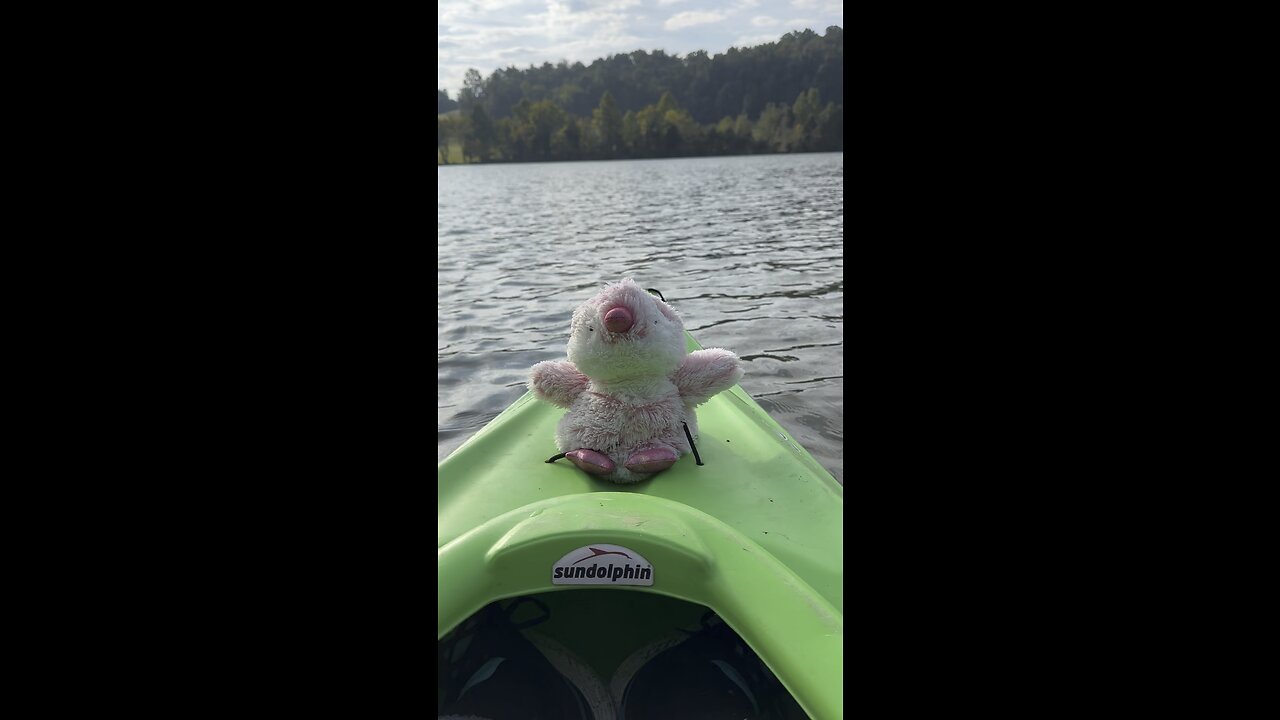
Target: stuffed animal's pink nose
x,y
618,320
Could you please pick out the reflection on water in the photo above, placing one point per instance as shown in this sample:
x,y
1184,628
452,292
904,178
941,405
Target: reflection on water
x,y
748,249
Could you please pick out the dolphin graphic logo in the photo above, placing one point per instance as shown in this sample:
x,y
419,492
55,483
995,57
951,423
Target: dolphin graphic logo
x,y
597,552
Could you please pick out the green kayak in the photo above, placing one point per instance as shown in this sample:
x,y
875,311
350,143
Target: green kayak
x,y
754,534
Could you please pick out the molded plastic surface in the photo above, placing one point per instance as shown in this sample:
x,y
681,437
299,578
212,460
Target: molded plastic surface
x,y
755,534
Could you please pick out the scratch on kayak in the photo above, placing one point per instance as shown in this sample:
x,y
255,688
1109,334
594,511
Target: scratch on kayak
x,y
822,613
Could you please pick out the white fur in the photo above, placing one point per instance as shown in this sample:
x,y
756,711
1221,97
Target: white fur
x,y
637,397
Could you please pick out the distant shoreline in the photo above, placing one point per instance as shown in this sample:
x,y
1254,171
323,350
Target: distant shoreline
x,y
673,157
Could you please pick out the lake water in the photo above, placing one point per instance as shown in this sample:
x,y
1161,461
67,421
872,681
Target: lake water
x,y
749,250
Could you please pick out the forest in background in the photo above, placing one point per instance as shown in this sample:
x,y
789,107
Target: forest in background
x,y
786,96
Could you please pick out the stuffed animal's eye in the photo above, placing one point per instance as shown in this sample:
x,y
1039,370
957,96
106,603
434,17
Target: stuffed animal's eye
x,y
590,329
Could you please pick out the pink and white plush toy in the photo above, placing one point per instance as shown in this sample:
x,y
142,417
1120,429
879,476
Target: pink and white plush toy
x,y
629,384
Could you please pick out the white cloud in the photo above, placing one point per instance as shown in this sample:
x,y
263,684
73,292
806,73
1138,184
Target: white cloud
x,y
748,40
453,10
691,18
492,34
612,4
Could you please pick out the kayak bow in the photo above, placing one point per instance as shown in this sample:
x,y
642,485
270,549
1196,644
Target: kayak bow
x,y
755,534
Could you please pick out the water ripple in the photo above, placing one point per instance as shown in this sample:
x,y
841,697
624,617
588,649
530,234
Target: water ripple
x,y
749,250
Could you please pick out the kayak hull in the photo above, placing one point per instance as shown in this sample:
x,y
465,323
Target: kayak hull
x,y
754,534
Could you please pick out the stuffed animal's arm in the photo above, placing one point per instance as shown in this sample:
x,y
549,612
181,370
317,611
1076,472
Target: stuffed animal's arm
x,y
557,381
704,373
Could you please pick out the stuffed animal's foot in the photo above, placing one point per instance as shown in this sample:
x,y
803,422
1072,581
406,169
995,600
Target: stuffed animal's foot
x,y
591,461
652,460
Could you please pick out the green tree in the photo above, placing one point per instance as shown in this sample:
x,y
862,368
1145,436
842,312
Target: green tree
x,y
461,137
545,119
807,107
709,87
683,135
442,140
650,130
831,128
472,89
742,134
449,133
567,142
769,126
606,121
666,104
513,138
805,111
481,135
631,133
654,105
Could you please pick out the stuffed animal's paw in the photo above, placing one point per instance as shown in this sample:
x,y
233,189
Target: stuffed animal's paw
x,y
703,373
652,460
591,461
558,382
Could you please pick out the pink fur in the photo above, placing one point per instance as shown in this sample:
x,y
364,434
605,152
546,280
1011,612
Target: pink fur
x,y
629,393
558,382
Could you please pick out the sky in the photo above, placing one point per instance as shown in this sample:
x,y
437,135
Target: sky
x,y
491,34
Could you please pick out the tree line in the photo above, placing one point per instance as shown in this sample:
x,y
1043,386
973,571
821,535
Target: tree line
x,y
543,131
709,88
786,96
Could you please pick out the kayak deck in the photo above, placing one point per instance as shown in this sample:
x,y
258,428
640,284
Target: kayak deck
x,y
755,534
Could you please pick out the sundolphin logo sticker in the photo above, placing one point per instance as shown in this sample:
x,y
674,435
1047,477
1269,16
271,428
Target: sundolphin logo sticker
x,y
602,564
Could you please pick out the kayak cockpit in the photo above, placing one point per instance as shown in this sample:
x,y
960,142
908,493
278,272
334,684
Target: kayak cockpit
x,y
692,557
